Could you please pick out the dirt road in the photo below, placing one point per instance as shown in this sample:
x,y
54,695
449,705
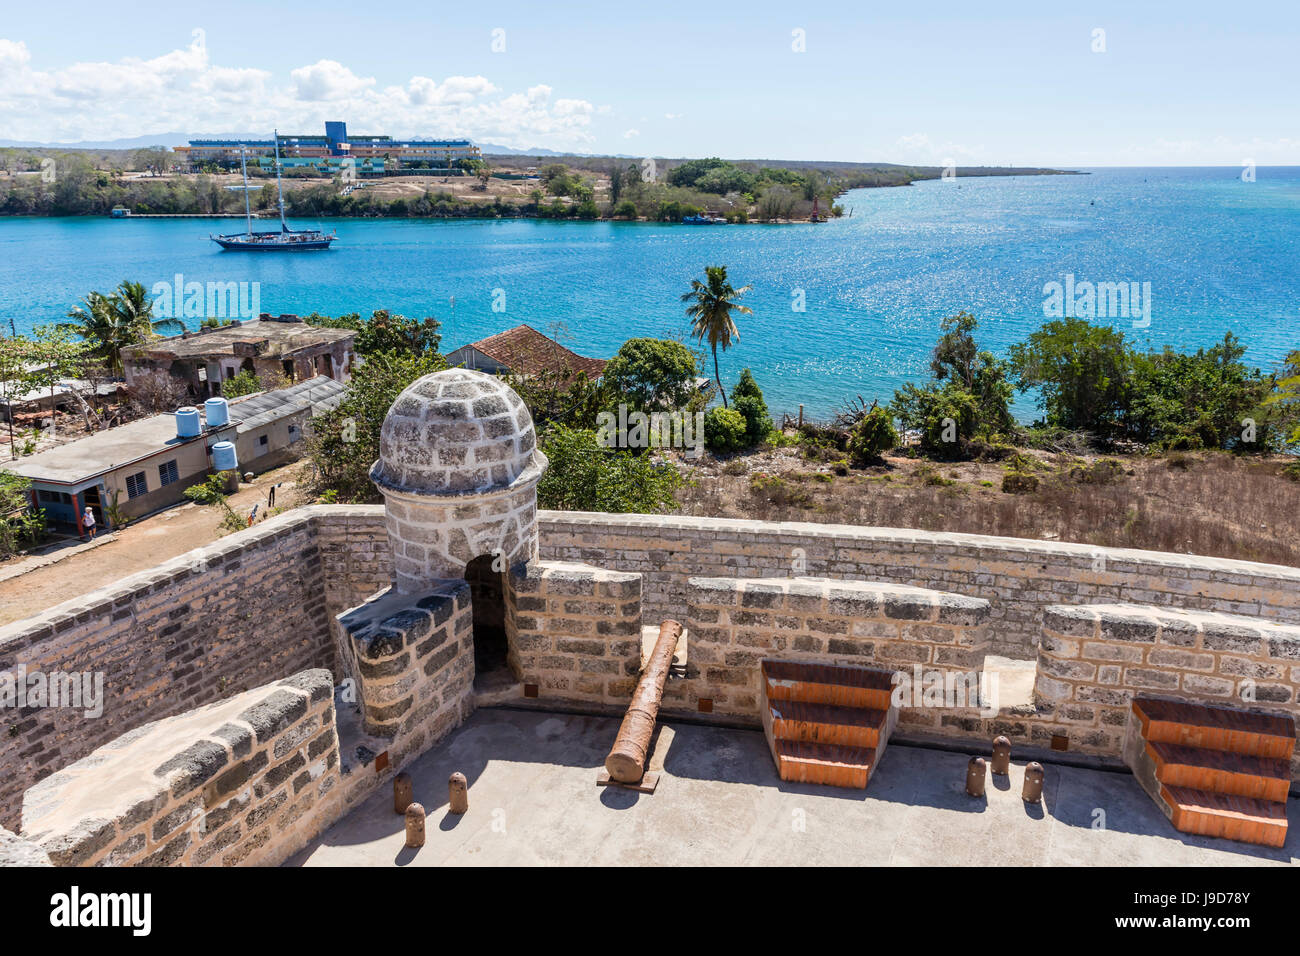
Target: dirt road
x,y
139,546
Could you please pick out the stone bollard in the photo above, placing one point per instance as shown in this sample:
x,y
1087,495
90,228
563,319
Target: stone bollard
x,y
1033,791
1001,756
403,792
975,776
415,826
458,793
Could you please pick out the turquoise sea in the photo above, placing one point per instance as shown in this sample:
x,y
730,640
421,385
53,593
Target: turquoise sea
x,y
1219,254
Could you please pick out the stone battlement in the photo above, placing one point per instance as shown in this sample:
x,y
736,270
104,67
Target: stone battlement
x,y
248,780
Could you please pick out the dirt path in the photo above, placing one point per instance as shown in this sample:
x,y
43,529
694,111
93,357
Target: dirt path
x,y
137,547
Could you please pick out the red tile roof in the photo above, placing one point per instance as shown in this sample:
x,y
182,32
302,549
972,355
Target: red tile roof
x,y
525,351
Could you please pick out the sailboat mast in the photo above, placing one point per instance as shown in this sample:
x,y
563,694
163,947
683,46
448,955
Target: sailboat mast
x,y
248,213
284,226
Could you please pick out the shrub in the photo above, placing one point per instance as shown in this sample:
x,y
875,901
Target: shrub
x,y
724,429
929,475
1104,472
991,451
19,523
1019,483
775,490
747,398
873,435
945,415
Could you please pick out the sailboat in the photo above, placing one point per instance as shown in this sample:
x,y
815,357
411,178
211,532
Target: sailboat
x,y
293,240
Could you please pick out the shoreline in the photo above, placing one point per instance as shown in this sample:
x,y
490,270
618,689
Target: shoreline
x,y
495,209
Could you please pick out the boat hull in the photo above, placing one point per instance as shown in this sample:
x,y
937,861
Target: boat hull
x,y
273,244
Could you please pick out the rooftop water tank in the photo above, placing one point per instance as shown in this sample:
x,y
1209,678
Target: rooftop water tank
x,y
223,456
187,422
217,412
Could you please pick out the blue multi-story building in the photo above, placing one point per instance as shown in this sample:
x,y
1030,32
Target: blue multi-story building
x,y
333,152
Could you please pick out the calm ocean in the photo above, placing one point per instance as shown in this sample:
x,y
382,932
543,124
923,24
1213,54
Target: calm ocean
x,y
1218,253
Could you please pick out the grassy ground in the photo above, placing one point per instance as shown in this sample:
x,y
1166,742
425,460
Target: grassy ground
x,y
1203,503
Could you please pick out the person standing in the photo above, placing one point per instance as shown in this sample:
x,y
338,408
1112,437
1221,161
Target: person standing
x,y
88,522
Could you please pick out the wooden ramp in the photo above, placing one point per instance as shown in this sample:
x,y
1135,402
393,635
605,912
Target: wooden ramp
x,y
825,723
1214,771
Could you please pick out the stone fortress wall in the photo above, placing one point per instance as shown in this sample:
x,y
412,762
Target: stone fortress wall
x,y
376,597
1017,577
215,622
248,780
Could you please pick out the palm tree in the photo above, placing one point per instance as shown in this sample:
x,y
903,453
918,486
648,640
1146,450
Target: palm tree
x,y
113,322
710,312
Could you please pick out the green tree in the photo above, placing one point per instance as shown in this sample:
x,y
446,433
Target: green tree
x,y
15,376
585,476
389,332
1082,371
968,395
711,305
54,356
957,358
237,386
747,399
652,374
1283,403
345,440
1208,399
123,318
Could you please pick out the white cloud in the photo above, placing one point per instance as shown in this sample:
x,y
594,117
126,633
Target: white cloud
x,y
328,80
630,133
184,90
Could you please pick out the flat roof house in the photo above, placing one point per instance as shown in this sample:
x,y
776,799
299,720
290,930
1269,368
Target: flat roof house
x,y
524,351
269,345
146,465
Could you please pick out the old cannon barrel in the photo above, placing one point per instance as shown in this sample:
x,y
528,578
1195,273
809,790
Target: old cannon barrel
x,y
626,761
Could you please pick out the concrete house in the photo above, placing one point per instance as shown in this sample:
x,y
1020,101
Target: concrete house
x,y
272,425
146,465
270,345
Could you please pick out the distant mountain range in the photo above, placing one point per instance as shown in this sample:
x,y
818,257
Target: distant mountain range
x,y
134,142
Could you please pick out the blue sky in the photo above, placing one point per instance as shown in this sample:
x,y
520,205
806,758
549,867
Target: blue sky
x,y
1177,84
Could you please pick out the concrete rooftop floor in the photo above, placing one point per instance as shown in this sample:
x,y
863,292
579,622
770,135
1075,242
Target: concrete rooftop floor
x,y
533,801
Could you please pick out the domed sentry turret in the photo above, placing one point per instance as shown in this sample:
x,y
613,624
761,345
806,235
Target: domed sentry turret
x,y
458,466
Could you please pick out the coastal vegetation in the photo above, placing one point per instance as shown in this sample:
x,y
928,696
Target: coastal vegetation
x,y
74,182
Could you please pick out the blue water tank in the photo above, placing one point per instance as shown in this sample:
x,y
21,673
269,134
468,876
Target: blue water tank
x,y
187,422
217,412
224,457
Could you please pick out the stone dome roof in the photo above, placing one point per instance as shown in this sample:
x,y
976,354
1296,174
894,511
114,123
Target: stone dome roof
x,y
456,432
